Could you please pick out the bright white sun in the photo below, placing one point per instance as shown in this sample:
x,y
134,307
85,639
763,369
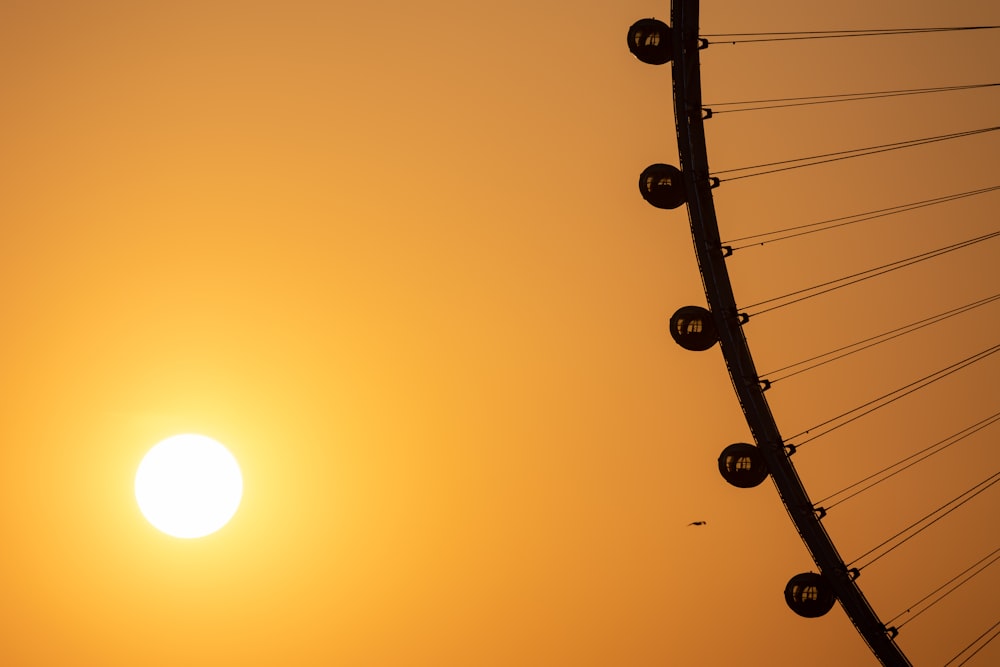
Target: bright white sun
x,y
188,486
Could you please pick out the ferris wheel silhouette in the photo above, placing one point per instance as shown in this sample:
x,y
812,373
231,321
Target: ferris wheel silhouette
x,y
726,320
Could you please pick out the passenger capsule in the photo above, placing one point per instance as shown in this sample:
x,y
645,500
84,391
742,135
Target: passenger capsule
x,y
662,186
808,594
742,465
693,328
649,41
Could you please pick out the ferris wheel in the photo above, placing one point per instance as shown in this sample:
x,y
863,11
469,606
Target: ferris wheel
x,y
862,319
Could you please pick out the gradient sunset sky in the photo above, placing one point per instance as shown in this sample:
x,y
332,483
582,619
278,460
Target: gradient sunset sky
x,y
393,256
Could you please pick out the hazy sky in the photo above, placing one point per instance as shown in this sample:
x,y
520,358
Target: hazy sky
x,y
394,257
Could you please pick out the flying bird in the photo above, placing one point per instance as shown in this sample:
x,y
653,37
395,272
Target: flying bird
x,y
697,523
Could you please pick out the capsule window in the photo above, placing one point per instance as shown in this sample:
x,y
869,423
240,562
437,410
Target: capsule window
x,y
742,465
662,185
809,595
649,41
693,328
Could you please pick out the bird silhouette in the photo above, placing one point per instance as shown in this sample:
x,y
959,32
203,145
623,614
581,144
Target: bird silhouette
x,y
698,523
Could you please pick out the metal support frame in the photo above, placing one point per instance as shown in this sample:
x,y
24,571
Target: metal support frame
x,y
728,321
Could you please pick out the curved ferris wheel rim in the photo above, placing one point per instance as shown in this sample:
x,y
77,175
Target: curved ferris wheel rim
x,y
698,185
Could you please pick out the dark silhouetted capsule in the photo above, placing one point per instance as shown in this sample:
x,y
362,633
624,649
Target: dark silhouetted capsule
x,y
649,41
808,594
662,186
693,328
742,465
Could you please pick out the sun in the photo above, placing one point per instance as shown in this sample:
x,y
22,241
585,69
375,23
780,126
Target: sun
x,y
188,486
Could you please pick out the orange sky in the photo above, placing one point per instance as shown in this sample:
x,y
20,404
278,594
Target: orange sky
x,y
394,257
